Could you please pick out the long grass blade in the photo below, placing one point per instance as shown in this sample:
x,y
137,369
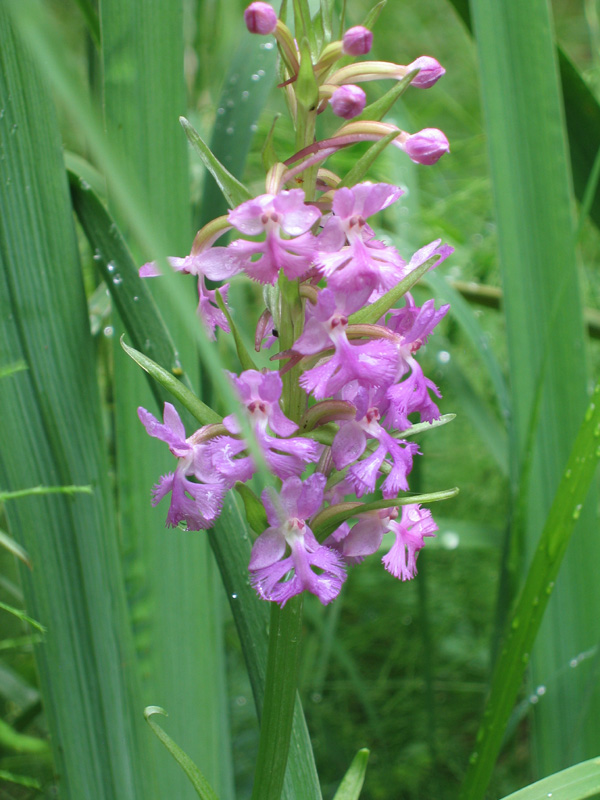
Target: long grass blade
x,y
51,432
531,183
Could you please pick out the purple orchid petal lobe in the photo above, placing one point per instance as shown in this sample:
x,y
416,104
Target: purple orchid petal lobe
x,y
328,418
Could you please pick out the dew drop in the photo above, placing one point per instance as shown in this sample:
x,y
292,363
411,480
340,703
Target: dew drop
x,y
229,130
234,79
450,540
316,697
515,623
220,111
15,128
443,356
254,127
573,663
240,700
268,45
245,95
230,104
108,331
534,699
590,412
540,691
577,511
84,185
117,280
261,72
110,266
597,431
550,587
234,596
525,658
135,299
255,77
473,758
568,473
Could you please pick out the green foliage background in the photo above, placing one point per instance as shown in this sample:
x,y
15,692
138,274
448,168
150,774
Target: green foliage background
x,y
135,614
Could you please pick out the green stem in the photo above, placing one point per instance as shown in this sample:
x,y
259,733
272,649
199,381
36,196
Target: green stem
x,y
285,635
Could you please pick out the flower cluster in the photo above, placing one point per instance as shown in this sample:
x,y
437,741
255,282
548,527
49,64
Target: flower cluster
x,y
354,358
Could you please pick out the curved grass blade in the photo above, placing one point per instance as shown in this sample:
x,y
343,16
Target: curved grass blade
x,y
19,614
243,355
352,782
8,543
198,409
525,620
232,190
197,779
575,783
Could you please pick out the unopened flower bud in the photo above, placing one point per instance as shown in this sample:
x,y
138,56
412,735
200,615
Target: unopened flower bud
x,y
357,41
260,18
348,101
430,71
426,146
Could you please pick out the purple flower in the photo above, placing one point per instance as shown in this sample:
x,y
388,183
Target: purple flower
x,y
270,214
370,363
260,393
357,41
348,101
350,443
426,146
366,536
289,546
430,71
365,264
260,18
197,504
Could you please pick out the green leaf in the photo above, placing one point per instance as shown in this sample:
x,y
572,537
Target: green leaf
x,y
536,237
370,314
198,409
17,612
10,369
325,522
243,355
361,167
306,87
255,510
380,107
526,617
575,783
352,782
51,432
197,779
15,548
373,14
233,191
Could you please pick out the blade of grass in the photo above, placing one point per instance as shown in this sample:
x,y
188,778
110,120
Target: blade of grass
x,y
531,183
51,432
144,95
576,783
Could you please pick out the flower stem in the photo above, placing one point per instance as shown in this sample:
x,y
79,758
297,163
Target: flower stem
x,y
280,694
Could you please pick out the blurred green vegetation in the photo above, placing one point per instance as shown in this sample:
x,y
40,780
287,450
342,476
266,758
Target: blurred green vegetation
x,y
399,668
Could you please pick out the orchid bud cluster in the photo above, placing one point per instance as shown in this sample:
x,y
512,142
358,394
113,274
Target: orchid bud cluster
x,y
330,421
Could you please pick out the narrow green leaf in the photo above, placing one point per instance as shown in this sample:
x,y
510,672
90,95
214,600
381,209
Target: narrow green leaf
x,y
201,412
325,522
17,612
15,548
197,779
575,783
51,433
526,618
40,490
255,510
306,88
20,742
243,355
370,314
361,167
536,237
233,191
10,369
268,155
20,780
373,15
352,782
380,107
245,90
91,17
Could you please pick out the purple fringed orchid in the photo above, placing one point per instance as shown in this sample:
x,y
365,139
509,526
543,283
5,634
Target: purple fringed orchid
x,y
197,504
289,546
364,262
369,363
270,214
365,538
260,393
350,443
